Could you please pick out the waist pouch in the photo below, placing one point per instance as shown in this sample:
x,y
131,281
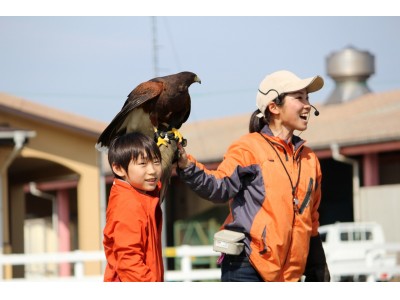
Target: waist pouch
x,y
228,241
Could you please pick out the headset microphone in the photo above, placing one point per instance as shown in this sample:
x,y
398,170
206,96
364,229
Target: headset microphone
x,y
316,112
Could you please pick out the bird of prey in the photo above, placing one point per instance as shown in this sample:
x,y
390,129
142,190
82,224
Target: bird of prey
x,y
157,108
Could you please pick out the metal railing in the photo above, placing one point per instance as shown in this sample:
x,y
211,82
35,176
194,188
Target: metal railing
x,y
372,267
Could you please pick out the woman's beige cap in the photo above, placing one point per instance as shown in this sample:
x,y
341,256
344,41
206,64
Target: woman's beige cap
x,y
282,82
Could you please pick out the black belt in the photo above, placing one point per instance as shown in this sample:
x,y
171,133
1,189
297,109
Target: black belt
x,y
240,257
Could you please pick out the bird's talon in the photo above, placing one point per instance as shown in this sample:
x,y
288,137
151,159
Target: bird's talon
x,y
164,138
161,137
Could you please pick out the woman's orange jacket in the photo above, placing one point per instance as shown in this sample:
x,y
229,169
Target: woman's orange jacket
x,y
254,176
132,235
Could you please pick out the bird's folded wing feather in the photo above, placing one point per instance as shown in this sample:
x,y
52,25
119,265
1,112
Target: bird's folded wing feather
x,y
140,95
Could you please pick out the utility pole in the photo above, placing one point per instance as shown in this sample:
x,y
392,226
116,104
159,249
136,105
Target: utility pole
x,y
155,46
156,74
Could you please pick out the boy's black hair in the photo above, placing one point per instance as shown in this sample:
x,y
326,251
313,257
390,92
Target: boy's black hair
x,y
131,146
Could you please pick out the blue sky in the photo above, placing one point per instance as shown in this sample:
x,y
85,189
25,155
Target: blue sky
x,y
88,65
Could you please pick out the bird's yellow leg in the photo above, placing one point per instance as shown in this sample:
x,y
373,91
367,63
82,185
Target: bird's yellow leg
x,y
159,139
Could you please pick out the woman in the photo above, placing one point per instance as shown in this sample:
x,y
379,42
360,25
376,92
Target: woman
x,y
273,183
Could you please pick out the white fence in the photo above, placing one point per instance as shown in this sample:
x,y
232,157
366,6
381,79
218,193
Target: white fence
x,y
78,259
373,267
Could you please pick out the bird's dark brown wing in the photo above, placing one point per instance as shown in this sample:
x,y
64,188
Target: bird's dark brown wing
x,y
143,93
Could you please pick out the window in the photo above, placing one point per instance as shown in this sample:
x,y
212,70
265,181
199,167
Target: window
x,y
356,235
344,236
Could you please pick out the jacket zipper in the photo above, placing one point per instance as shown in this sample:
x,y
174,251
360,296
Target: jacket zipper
x,y
290,242
296,156
282,147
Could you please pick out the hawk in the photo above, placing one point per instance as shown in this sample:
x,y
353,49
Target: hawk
x,y
157,108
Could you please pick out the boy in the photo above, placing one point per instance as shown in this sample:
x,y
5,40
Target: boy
x,y
132,235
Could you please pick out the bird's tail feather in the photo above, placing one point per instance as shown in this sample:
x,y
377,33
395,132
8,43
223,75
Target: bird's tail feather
x,y
99,147
168,153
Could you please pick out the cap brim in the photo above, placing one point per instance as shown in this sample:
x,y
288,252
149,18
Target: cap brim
x,y
311,84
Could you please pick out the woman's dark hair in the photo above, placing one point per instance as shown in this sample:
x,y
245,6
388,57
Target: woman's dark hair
x,y
132,146
256,123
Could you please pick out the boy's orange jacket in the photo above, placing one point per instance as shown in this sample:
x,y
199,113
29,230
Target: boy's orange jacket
x,y
132,235
254,176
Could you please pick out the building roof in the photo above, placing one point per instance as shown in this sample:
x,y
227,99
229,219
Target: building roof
x,y
51,116
9,135
373,118
208,140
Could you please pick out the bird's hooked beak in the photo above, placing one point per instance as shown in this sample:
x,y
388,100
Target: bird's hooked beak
x,y
197,79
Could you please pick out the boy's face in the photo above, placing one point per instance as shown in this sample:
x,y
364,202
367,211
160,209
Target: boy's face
x,y
142,174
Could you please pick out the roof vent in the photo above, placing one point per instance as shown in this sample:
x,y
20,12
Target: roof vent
x,y
350,69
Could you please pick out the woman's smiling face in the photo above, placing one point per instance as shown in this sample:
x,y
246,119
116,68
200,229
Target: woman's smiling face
x,y
295,111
